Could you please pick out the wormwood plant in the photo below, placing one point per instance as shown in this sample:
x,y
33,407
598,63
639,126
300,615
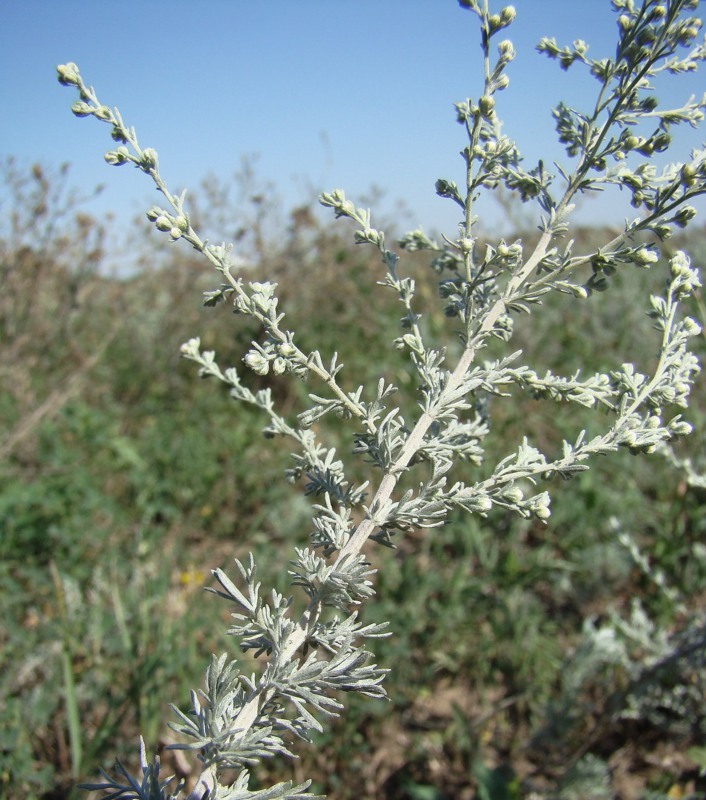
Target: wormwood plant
x,y
309,658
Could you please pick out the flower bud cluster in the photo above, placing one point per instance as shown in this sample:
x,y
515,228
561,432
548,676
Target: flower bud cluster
x,y
645,437
88,105
566,56
175,225
499,21
504,255
263,358
119,156
68,74
685,279
338,202
539,506
506,52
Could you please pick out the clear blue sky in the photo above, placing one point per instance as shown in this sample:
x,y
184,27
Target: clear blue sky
x,y
329,93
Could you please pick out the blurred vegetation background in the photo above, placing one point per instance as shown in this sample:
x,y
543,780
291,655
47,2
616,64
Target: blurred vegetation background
x,y
125,480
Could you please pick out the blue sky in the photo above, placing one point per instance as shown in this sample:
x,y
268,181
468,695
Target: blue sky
x,y
328,93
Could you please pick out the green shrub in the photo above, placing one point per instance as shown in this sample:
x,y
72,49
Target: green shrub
x,y
495,638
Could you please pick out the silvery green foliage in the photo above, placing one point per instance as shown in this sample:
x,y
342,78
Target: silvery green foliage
x,y
661,674
664,672
308,660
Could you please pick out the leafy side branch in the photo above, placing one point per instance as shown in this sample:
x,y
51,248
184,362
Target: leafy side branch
x,y
308,660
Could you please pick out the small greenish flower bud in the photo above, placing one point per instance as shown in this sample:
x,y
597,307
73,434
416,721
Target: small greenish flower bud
x,y
691,327
630,439
175,233
658,12
539,506
503,250
689,34
117,135
653,423
507,14
542,513
680,264
286,349
487,106
680,427
182,223
669,393
149,158
684,289
580,293
506,50
163,223
624,22
644,257
684,216
688,175
481,504
117,157
494,22
502,82
257,362
279,366
80,109
104,113
191,348
68,74
154,212
513,495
